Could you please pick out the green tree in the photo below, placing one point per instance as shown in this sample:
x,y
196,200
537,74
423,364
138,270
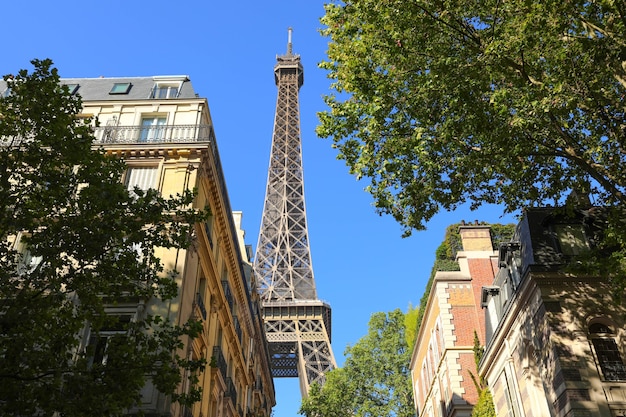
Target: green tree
x,y
484,407
72,240
411,326
375,380
442,103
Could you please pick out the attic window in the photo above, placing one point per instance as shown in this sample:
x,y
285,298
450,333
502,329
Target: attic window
x,y
572,239
72,88
120,88
167,86
165,91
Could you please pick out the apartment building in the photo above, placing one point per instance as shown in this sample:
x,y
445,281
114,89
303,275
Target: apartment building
x,y
443,355
163,130
555,337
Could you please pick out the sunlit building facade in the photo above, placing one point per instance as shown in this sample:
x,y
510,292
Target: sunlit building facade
x,y
443,362
555,337
164,132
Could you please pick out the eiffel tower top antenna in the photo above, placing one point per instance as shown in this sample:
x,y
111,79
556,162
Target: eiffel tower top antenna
x,y
289,47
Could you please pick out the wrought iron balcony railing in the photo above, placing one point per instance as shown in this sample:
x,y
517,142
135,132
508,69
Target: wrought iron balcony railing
x,y
199,302
153,134
228,294
238,328
230,392
218,361
258,384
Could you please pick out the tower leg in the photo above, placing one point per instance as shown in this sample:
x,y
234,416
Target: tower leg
x,y
299,342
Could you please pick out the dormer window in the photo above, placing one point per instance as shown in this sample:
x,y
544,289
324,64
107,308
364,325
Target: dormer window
x,y
167,86
572,239
164,91
120,88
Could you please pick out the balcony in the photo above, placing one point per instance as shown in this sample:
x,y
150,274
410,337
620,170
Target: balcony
x,y
258,384
199,304
238,329
218,361
258,392
228,294
152,134
231,392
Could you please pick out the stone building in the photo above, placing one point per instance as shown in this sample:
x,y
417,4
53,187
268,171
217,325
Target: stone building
x,y
443,355
164,132
555,339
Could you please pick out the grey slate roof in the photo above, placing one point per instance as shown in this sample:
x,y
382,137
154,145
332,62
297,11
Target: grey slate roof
x,y
141,87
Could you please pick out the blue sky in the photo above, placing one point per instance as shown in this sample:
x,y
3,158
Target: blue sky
x,y
228,48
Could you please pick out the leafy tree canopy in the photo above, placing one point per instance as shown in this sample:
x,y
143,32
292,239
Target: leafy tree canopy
x,y
73,241
375,380
442,103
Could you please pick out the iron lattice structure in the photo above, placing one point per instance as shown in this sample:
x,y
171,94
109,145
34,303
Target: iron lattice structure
x,y
297,323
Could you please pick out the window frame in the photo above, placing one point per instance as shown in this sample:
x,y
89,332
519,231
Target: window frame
x,y
172,85
120,88
605,361
163,91
27,263
126,180
72,88
152,128
101,339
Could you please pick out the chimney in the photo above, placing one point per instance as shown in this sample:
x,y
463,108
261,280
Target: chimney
x,y
476,237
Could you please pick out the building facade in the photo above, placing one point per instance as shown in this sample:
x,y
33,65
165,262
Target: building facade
x,y
555,339
443,355
164,132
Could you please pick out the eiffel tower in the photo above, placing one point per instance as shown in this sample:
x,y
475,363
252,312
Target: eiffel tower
x,y
297,323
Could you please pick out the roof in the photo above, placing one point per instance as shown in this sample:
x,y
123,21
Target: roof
x,y
96,89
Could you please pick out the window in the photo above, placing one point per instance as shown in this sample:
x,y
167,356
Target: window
x,y
572,238
431,359
102,342
165,91
152,129
167,86
512,405
72,88
120,88
439,336
142,177
27,263
208,229
607,352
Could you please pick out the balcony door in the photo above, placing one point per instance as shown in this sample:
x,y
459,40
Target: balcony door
x,y
152,129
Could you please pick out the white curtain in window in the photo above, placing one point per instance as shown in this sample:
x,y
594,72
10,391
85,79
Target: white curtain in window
x,y
142,177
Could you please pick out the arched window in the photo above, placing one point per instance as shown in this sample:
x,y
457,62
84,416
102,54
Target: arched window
x,y
609,358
